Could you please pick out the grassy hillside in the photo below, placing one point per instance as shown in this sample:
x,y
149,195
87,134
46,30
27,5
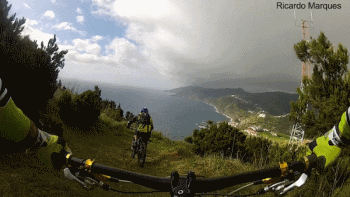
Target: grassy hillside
x,y
245,113
112,148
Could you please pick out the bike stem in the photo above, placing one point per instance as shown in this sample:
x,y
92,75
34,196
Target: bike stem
x,y
180,186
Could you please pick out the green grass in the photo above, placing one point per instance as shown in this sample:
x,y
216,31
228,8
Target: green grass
x,y
283,138
109,143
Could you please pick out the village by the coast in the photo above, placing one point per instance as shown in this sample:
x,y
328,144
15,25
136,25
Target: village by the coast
x,y
252,130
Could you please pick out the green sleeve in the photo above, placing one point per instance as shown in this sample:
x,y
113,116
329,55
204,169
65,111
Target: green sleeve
x,y
16,129
14,125
343,128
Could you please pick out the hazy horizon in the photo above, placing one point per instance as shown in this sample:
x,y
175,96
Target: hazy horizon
x,y
73,82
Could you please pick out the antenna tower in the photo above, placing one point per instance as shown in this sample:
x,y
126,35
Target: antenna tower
x,y
297,134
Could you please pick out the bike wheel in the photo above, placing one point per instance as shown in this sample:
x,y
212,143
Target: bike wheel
x,y
134,150
142,154
133,153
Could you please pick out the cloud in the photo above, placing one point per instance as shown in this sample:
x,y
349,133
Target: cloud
x,y
64,26
27,6
175,33
35,34
123,63
84,50
31,22
119,51
50,14
80,19
197,41
96,38
68,26
78,10
87,46
53,1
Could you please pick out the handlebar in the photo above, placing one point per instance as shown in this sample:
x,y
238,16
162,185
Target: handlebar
x,y
188,185
153,182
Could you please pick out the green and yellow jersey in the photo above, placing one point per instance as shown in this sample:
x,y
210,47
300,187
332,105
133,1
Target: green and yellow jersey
x,y
15,127
142,127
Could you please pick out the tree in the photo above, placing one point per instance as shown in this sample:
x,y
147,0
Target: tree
x,y
129,116
57,58
97,91
326,93
120,111
28,72
9,25
59,84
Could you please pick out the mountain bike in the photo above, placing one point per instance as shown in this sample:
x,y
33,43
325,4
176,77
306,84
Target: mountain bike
x,y
140,150
280,179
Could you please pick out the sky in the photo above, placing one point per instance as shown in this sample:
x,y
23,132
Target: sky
x,y
165,44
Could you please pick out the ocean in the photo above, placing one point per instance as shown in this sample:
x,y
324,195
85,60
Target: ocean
x,y
175,117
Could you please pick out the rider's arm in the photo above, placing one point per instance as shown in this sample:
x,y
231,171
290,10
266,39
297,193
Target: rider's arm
x,y
21,133
340,134
14,125
343,128
328,147
132,121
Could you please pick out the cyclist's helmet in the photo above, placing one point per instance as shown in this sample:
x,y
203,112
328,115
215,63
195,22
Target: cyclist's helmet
x,y
144,110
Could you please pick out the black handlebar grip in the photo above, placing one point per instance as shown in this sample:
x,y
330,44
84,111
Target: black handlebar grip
x,y
73,161
312,160
57,160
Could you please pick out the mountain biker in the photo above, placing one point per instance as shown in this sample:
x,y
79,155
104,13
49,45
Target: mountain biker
x,y
19,133
144,125
329,146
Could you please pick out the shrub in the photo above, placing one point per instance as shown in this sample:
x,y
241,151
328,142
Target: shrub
x,y
51,120
66,107
112,110
216,139
189,139
112,114
158,135
256,150
89,105
79,110
228,141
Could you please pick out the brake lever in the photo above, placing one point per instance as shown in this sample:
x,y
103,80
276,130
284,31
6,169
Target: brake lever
x,y
70,176
89,183
301,181
273,187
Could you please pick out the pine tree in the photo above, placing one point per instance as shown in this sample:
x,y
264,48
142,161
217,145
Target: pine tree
x,y
120,111
327,92
59,84
28,72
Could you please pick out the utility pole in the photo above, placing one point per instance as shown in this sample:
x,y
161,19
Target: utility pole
x,y
297,134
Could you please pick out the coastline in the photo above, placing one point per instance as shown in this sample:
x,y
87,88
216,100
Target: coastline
x,y
231,122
